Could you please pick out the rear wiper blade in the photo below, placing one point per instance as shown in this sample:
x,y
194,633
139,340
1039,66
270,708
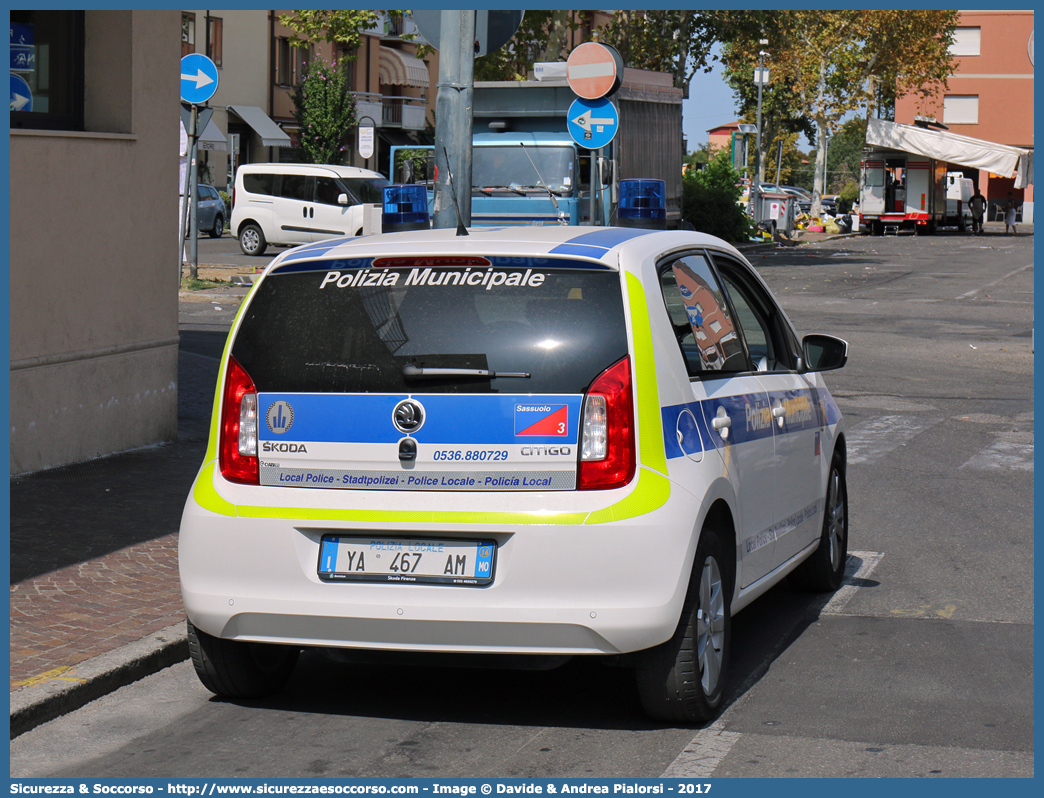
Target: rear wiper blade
x,y
411,372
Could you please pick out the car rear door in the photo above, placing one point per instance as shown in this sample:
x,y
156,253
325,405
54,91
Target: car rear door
x,y
734,404
294,209
796,413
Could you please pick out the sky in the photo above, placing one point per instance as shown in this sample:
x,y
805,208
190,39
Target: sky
x,y
711,103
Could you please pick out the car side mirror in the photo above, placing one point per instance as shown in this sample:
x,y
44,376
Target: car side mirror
x,y
342,199
823,353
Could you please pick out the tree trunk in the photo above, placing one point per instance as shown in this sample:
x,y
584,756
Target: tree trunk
x,y
820,173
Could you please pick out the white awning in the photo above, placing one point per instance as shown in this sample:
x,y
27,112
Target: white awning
x,y
271,134
1001,159
397,68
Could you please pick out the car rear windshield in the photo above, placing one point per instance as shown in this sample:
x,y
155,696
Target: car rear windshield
x,y
352,326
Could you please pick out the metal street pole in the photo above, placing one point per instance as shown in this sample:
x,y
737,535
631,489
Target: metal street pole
x,y
760,80
453,111
191,198
462,172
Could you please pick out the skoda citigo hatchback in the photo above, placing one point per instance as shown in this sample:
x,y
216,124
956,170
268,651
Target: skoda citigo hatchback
x,y
533,441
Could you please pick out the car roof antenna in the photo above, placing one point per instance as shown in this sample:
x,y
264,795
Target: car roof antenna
x,y
550,193
461,229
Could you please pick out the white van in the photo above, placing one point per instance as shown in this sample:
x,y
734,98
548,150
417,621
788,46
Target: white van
x,y
290,204
959,191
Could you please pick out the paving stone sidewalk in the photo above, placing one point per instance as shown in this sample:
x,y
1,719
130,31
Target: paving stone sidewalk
x,y
94,555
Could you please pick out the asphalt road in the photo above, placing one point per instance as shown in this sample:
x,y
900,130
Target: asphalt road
x,y
921,666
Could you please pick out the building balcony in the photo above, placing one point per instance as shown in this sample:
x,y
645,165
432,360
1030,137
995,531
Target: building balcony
x,y
405,113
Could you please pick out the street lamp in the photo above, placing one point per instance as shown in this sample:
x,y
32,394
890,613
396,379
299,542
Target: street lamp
x,y
760,79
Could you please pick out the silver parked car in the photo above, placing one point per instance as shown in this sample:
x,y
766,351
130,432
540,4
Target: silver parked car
x,y
211,213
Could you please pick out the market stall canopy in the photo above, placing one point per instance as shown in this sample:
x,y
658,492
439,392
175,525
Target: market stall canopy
x,y
942,145
397,68
271,134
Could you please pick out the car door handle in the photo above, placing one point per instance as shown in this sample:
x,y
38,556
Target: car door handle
x,y
721,423
779,413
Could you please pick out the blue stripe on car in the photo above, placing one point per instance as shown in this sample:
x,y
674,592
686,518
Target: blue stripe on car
x,y
746,426
596,243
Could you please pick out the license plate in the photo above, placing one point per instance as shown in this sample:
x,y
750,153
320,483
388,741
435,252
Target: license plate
x,y
412,561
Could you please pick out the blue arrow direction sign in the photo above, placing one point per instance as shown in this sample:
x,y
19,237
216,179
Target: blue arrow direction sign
x,y
199,78
592,123
21,96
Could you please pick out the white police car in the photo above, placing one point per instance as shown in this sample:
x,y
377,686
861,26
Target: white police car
x,y
529,441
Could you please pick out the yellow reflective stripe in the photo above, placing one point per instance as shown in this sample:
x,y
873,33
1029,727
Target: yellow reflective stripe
x,y
650,429
206,495
652,492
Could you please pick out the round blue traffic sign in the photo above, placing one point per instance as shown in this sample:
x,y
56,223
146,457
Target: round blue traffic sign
x,y
199,79
593,123
21,96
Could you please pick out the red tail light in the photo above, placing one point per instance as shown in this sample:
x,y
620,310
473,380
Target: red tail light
x,y
607,451
237,441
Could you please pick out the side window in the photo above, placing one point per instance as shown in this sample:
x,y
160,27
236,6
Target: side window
x,y
327,190
770,342
707,333
298,187
260,183
365,190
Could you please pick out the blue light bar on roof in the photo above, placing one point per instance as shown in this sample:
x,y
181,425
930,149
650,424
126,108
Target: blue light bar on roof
x,y
405,208
643,203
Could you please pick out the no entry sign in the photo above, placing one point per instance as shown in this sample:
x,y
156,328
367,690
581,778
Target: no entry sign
x,y
593,70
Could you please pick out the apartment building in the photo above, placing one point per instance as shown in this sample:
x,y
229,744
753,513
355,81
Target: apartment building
x,y
990,96
93,245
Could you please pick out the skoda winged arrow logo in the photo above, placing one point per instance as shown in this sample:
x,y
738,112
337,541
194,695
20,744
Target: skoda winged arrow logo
x,y
408,416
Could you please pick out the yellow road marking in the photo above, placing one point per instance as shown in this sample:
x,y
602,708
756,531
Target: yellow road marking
x,y
55,673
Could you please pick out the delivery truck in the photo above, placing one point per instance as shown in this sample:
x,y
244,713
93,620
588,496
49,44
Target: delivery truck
x,y
526,169
901,190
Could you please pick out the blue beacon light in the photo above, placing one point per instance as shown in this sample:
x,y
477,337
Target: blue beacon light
x,y
643,204
405,208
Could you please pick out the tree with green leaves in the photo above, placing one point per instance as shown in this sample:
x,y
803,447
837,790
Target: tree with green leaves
x,y
541,36
710,200
844,154
325,110
344,26
676,42
837,62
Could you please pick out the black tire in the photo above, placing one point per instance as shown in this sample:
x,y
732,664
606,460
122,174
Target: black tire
x,y
824,569
234,669
682,680
219,227
252,239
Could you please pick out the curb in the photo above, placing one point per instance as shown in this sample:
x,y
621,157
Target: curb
x,y
36,704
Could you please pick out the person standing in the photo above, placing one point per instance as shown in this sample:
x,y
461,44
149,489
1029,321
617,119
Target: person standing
x,y
1009,215
978,209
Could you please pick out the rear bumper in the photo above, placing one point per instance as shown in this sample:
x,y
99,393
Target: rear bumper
x,y
573,588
